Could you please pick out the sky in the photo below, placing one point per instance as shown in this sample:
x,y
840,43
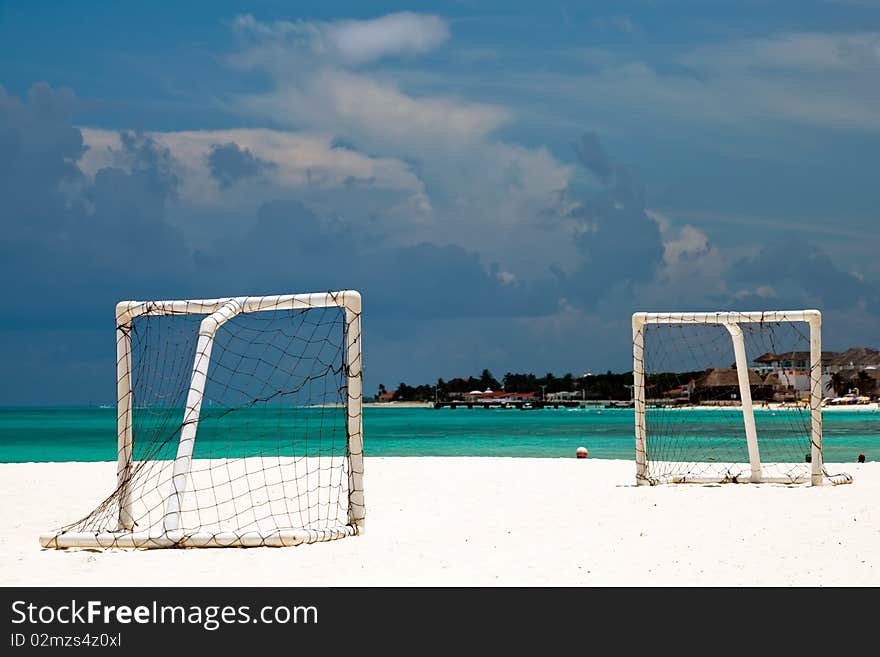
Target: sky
x,y
504,182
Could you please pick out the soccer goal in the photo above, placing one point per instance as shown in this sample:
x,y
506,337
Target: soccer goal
x,y
729,397
238,422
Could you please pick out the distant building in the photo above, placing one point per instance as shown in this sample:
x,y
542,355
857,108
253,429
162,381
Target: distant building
x,y
521,396
785,376
788,387
386,396
498,396
565,395
788,373
721,384
790,360
682,393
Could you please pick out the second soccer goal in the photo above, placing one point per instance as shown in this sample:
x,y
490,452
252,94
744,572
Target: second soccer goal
x,y
238,424
730,397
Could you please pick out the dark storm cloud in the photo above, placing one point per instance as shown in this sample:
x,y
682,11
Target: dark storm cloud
x,y
592,155
620,244
796,273
90,243
289,247
230,163
452,282
71,246
71,242
38,154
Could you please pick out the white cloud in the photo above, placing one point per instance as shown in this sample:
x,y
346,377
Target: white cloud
x,y
804,52
685,243
301,160
814,79
762,292
334,181
351,42
485,193
314,86
358,42
690,261
375,111
819,78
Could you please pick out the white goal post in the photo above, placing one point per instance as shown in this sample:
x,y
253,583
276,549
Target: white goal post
x,y
171,528
733,323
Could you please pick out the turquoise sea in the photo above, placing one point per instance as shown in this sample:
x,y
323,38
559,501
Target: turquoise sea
x,y
89,434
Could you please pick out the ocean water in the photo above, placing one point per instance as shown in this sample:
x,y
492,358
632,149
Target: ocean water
x,y
89,434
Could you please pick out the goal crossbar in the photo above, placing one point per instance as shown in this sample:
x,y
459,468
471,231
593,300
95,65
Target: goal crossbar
x,y
127,310
730,317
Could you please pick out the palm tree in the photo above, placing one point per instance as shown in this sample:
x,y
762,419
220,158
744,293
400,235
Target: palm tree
x,y
865,383
838,384
486,380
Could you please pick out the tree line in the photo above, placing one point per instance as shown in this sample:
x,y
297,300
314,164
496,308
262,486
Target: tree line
x,y
611,385
596,386
866,384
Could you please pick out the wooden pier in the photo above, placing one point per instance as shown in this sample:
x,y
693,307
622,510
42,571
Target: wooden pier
x,y
521,405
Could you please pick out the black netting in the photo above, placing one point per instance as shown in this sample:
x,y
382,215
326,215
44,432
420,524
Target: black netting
x,y
270,454
694,426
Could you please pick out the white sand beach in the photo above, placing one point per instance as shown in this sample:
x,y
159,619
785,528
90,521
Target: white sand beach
x,y
487,521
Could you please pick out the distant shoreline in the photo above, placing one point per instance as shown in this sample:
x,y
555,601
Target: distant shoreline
x,y
773,406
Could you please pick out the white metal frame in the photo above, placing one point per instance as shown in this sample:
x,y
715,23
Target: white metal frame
x,y
218,312
731,321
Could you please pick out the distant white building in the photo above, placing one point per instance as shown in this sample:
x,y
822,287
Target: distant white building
x,y
565,395
790,360
789,372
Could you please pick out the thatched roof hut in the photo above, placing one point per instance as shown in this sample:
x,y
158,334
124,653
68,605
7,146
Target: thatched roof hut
x,y
723,377
722,384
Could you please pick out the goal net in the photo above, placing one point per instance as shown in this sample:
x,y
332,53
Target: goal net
x,y
239,424
729,397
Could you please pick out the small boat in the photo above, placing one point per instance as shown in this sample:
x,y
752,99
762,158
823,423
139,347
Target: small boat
x,y
526,407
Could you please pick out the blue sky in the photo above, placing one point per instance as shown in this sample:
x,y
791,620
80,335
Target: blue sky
x,y
505,182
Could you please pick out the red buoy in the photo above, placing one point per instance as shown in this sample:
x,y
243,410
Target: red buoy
x,y
582,452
